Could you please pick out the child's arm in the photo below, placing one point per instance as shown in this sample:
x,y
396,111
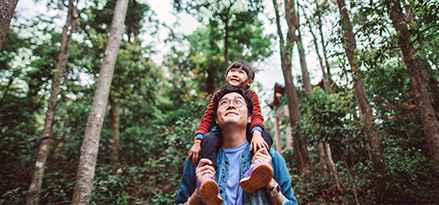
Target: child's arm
x,y
194,152
258,142
207,122
257,125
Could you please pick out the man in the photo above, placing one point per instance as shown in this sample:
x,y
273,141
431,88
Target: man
x,y
233,108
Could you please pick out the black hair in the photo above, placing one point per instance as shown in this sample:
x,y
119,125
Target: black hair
x,y
230,89
244,65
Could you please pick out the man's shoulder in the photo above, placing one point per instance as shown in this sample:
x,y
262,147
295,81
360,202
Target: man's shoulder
x,y
273,152
276,156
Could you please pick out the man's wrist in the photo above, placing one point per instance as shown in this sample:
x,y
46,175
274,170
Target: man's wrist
x,y
271,184
274,191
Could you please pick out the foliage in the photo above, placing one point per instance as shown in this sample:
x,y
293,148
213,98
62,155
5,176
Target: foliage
x,y
160,105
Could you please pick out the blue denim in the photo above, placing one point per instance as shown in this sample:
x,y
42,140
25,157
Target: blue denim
x,y
280,174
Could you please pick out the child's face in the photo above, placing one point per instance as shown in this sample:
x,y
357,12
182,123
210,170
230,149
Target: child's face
x,y
237,77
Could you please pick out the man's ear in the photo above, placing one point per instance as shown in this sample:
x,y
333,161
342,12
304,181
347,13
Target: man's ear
x,y
249,119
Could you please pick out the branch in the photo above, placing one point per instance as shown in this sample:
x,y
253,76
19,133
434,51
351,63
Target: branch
x,y
33,139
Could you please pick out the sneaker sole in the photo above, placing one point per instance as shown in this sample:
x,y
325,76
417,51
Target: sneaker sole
x,y
260,177
209,192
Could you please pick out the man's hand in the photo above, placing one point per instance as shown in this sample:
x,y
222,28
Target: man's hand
x,y
262,156
194,152
257,142
201,169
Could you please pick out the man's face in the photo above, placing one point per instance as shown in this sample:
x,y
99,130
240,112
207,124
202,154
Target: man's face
x,y
232,109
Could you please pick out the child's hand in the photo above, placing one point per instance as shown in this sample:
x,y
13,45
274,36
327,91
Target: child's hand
x,y
194,152
257,142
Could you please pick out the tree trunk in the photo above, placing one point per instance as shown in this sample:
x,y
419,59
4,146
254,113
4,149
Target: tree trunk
x,y
90,143
226,40
324,149
366,115
302,57
322,40
415,67
326,81
114,126
33,193
277,134
7,10
334,173
290,90
321,150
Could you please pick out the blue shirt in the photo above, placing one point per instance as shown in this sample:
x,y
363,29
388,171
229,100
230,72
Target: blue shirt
x,y
233,190
280,174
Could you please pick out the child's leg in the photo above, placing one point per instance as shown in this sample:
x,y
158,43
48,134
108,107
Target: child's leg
x,y
210,145
259,174
267,138
209,190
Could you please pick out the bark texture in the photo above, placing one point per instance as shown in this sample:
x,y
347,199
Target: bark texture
x,y
33,193
366,114
114,125
415,67
90,143
7,10
323,148
286,47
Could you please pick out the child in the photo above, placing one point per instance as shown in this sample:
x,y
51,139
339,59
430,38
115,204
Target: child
x,y
241,75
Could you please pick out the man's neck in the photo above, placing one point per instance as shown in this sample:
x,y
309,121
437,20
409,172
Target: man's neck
x,y
233,137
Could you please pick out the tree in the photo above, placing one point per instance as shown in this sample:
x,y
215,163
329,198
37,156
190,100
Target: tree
x,y
323,147
7,9
416,66
43,151
366,115
90,144
286,47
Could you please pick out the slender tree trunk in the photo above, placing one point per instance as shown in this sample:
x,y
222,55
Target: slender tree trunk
x,y
226,40
292,16
90,143
298,39
326,81
323,148
322,40
114,124
210,81
415,67
323,159
370,131
33,192
332,165
277,134
286,48
7,10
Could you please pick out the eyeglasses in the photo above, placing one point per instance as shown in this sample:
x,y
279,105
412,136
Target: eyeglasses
x,y
237,101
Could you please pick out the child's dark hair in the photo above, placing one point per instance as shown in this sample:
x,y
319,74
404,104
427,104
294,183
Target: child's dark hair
x,y
230,89
244,65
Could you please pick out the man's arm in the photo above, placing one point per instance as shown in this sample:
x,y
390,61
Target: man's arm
x,y
280,176
188,193
188,183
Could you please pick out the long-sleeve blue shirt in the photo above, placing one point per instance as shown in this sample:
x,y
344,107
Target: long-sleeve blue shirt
x,y
280,174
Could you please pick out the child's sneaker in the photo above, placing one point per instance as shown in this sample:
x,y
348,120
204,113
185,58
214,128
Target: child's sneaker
x,y
209,190
258,176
